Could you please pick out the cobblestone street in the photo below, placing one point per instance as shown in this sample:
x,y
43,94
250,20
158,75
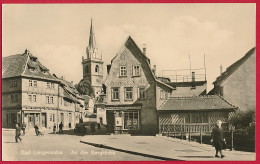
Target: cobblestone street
x,y
58,148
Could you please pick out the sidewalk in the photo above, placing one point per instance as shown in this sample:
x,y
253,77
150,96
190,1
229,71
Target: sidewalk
x,y
163,147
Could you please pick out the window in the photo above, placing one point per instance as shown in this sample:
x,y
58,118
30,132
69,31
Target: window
x,y
30,83
197,117
122,70
128,93
50,117
13,83
61,99
53,117
35,83
115,93
14,98
163,94
52,85
97,69
141,93
32,98
48,85
136,70
131,120
49,100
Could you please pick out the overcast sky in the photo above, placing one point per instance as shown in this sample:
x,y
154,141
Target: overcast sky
x,y
58,34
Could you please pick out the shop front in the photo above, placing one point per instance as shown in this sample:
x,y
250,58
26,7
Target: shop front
x,y
123,119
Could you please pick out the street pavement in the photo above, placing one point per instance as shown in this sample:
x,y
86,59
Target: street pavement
x,y
59,147
165,148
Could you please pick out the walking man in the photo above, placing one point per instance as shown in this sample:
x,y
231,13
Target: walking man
x,y
23,127
218,139
36,128
17,133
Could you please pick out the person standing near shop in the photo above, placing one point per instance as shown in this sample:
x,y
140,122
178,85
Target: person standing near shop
x,y
218,139
17,133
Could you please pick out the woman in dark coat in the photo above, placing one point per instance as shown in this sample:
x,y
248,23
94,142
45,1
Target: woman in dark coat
x,y
218,139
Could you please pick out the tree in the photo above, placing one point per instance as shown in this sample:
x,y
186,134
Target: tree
x,y
85,88
243,118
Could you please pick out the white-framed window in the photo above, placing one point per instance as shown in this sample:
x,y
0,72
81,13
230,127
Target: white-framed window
x,y
51,117
49,99
61,100
122,70
32,97
141,93
30,83
115,93
13,83
128,93
136,70
35,83
14,98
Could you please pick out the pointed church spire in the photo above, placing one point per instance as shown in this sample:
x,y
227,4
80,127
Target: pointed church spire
x,y
92,41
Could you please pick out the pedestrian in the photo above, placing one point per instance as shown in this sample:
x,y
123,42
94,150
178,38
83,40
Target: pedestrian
x,y
23,127
218,139
60,128
93,128
17,133
36,128
54,128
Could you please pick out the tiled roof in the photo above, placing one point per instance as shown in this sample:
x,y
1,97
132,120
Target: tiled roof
x,y
13,65
234,66
213,102
17,65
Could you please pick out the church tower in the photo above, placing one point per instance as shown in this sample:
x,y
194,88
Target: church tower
x,y
93,64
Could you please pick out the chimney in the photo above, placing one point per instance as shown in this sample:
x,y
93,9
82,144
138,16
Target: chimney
x,y
221,69
62,78
108,68
144,49
193,80
71,82
193,77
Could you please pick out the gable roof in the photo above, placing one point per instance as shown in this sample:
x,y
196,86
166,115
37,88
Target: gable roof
x,y
213,102
130,41
233,67
18,65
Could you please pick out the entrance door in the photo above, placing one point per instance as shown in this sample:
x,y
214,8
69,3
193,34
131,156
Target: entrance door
x,y
70,119
111,121
44,121
31,120
62,118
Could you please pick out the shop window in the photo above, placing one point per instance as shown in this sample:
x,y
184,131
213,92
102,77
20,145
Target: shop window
x,y
131,120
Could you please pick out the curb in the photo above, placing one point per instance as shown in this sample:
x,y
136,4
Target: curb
x,y
130,152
